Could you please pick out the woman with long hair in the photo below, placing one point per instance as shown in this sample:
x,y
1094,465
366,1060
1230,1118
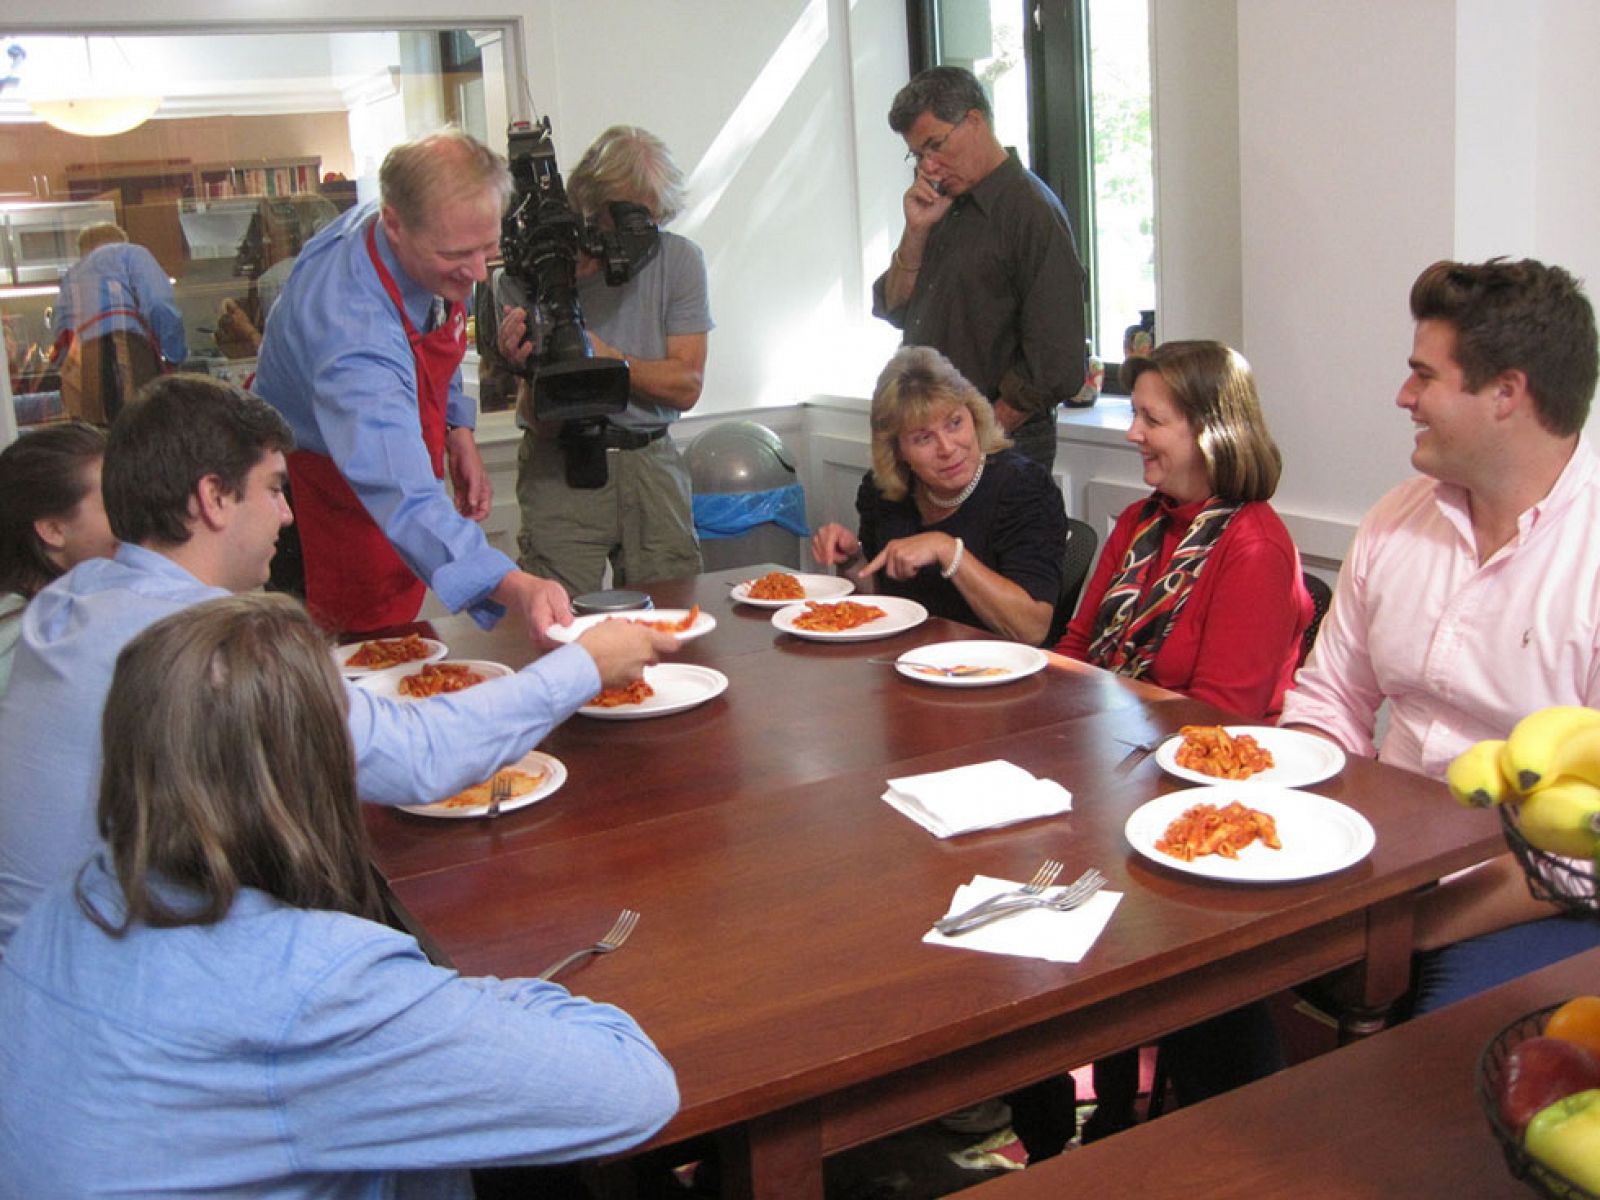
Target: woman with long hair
x,y
52,517
213,1008
1199,587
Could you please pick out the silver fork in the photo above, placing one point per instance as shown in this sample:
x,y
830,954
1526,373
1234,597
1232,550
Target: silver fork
x,y
499,793
618,933
1139,752
1042,878
1072,896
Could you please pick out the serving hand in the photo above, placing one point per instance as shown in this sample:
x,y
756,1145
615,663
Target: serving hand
x,y
834,544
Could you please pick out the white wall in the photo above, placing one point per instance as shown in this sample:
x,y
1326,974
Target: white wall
x,y
1377,136
1194,83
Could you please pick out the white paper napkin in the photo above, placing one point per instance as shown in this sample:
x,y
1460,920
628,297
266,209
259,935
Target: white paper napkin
x,y
981,796
1063,937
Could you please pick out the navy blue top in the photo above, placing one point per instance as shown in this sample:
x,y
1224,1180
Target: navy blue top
x,y
1014,523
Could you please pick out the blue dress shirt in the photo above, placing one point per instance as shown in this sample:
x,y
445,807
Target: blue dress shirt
x,y
336,363
121,275
407,752
284,1052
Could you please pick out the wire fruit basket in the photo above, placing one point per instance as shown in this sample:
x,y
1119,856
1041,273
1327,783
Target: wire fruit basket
x,y
1490,1077
1568,883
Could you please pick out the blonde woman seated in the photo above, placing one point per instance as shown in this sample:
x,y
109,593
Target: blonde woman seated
x,y
1199,586
213,1007
950,516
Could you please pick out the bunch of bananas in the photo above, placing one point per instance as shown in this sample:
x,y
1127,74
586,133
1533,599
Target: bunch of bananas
x,y
1550,769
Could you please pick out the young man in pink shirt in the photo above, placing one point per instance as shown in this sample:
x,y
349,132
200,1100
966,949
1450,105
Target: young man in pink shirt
x,y
1471,595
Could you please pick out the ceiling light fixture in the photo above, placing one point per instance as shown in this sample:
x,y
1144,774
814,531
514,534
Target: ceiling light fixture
x,y
104,104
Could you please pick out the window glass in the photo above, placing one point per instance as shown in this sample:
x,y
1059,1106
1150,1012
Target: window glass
x,y
1124,284
219,155
985,37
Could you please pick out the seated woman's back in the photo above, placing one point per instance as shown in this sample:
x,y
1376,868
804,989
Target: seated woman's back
x,y
212,1008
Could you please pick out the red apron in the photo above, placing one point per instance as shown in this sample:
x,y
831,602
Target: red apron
x,y
355,581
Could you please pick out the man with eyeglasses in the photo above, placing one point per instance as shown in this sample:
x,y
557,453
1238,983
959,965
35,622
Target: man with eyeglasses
x,y
987,270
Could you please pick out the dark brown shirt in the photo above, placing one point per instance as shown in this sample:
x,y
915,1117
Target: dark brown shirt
x,y
1000,292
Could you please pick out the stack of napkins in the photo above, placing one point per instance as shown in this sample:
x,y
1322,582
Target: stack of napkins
x,y
982,796
1037,933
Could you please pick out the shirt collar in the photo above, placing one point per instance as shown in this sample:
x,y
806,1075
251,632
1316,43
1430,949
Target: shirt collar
x,y
982,195
1575,477
417,298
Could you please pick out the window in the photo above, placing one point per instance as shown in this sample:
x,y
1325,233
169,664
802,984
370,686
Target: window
x,y
1070,87
256,140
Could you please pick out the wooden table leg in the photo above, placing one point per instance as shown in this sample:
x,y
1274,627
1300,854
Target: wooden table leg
x,y
1386,973
777,1157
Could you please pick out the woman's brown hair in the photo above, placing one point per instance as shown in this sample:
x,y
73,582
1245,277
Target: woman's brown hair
x,y
1215,390
228,765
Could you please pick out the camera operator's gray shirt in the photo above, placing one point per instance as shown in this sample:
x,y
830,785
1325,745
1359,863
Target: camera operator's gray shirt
x,y
667,298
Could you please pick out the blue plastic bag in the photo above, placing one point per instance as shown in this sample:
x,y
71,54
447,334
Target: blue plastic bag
x,y
726,516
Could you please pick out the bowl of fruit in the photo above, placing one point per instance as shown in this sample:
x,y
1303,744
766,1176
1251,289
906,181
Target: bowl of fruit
x,y
1545,780
1538,1080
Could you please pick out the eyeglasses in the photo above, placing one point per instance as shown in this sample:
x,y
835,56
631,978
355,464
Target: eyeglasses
x,y
933,145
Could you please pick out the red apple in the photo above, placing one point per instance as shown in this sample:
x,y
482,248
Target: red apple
x,y
1540,1071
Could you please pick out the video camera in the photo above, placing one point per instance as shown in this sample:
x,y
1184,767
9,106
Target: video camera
x,y
540,238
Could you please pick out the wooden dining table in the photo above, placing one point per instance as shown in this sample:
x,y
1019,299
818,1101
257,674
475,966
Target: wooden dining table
x,y
1393,1115
779,963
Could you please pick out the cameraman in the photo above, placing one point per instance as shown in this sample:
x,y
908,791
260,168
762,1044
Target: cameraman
x,y
639,517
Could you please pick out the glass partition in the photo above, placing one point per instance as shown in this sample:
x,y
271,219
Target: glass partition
x,y
219,155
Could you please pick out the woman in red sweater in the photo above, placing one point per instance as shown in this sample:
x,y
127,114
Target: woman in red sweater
x,y
1199,587
1198,590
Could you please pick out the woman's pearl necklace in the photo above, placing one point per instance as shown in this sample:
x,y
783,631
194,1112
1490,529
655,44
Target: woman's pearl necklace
x,y
957,500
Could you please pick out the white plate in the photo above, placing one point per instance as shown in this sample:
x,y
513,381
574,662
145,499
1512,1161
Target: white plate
x,y
1011,660
343,654
677,686
703,624
1297,758
899,615
1319,835
555,774
387,683
816,587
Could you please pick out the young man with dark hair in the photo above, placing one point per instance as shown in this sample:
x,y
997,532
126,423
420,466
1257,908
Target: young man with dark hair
x,y
1471,595
194,484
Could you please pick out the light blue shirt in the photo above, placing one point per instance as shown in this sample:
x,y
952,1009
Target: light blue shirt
x,y
336,363
121,275
407,752
291,1053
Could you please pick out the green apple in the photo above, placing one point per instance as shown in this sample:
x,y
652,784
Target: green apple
x,y
1566,1137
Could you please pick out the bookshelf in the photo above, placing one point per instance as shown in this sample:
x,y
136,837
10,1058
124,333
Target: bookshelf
x,y
182,179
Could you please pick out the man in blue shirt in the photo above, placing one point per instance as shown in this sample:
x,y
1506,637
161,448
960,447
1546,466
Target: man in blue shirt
x,y
117,303
362,357
194,487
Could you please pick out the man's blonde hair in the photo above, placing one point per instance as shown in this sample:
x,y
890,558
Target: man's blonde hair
x,y
421,176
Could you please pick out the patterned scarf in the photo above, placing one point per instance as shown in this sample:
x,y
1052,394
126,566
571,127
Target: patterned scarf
x,y
1134,620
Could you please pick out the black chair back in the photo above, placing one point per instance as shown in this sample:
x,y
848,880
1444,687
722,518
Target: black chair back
x,y
1321,597
1081,544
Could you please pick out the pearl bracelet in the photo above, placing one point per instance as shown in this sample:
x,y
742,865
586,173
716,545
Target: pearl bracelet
x,y
955,560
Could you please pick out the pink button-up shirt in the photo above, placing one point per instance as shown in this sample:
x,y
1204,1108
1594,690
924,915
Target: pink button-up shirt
x,y
1460,651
